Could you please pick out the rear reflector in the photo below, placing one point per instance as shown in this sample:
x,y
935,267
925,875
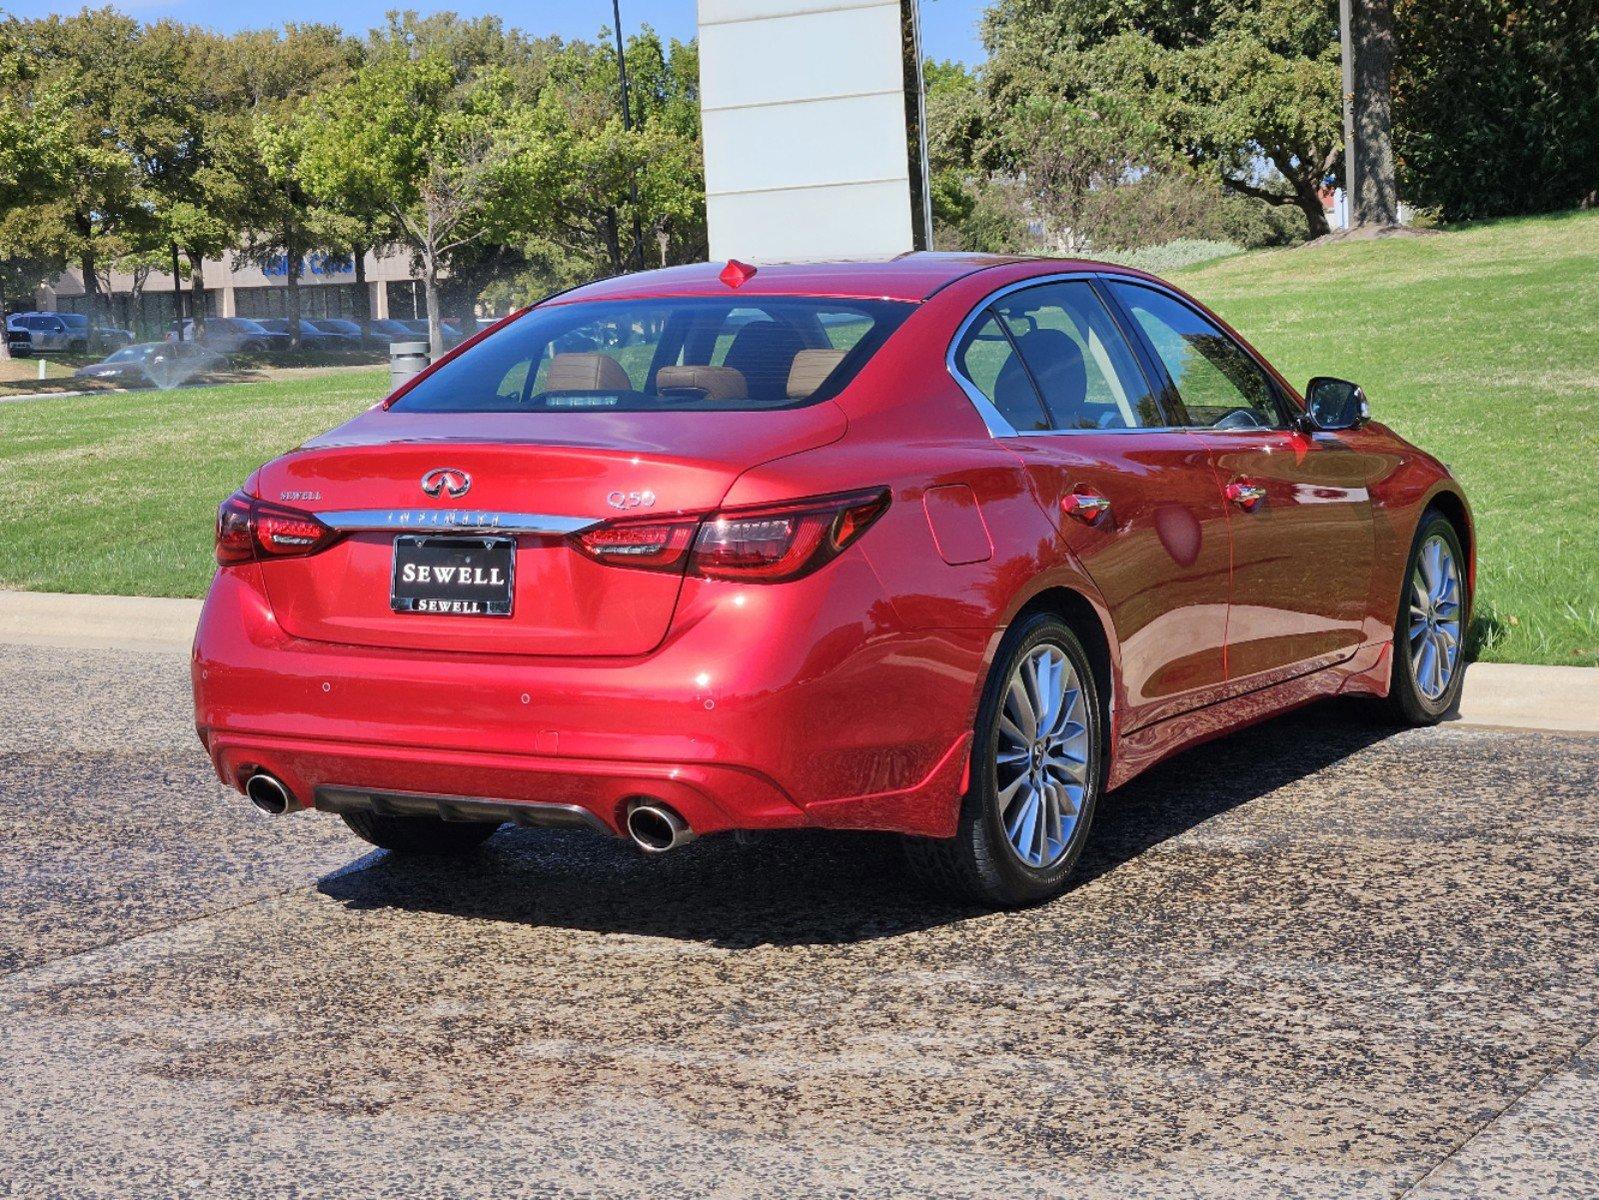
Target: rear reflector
x,y
248,528
768,544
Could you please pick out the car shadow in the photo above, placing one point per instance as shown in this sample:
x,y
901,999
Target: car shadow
x,y
822,888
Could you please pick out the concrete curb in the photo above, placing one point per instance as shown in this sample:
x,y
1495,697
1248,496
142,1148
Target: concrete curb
x,y
29,396
1498,695
1511,696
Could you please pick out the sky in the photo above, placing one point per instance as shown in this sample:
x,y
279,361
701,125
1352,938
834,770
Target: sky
x,y
949,27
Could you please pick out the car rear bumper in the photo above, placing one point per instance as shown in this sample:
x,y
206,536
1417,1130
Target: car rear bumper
x,y
709,797
805,717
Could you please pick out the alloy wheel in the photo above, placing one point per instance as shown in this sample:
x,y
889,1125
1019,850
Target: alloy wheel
x,y
1434,618
1041,761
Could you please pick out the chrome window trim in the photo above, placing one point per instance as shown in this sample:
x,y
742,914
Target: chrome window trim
x,y
452,520
998,426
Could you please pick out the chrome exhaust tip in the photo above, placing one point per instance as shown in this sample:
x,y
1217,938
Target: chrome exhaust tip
x,y
655,829
270,794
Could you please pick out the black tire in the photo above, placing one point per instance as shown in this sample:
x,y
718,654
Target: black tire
x,y
1407,702
420,835
979,865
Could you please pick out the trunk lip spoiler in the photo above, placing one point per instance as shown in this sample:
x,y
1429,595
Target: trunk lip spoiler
x,y
469,520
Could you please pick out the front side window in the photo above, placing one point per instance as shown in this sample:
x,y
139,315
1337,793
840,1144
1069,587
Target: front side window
x,y
1083,367
1219,384
676,354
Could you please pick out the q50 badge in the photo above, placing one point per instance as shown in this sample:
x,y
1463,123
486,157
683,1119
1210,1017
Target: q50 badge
x,y
626,500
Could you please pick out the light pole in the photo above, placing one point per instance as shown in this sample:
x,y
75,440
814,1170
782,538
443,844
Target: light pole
x,y
1347,44
921,127
627,126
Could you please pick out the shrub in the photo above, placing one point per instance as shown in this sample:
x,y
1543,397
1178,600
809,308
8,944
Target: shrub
x,y
1496,104
1161,260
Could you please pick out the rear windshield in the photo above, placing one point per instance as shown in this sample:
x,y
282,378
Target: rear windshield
x,y
679,354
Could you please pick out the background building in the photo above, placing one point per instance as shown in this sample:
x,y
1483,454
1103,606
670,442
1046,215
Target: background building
x,y
239,287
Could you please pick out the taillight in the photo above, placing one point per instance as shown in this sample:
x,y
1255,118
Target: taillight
x,y
650,544
767,544
248,528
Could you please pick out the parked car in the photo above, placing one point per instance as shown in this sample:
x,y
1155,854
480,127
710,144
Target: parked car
x,y
153,364
67,332
230,335
311,338
375,337
389,331
952,567
100,337
419,329
339,327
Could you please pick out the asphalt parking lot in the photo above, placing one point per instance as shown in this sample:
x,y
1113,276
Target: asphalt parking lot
x,y
1315,959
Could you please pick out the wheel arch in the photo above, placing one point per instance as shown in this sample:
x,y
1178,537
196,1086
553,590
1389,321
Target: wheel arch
x,y
1086,620
1453,506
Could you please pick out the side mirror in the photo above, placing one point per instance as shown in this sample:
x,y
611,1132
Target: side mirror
x,y
1334,404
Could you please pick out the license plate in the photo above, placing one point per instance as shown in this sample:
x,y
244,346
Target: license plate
x,y
453,576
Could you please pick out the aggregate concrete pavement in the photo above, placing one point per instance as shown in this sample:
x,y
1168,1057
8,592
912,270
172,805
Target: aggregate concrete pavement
x,y
1318,958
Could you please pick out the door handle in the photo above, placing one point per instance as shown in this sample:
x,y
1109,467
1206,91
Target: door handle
x,y
1245,494
1087,507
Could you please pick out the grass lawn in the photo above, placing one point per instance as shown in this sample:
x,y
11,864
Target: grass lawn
x,y
117,493
1481,344
20,376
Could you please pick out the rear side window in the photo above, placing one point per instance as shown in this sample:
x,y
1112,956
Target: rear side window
x,y
987,357
1083,367
678,354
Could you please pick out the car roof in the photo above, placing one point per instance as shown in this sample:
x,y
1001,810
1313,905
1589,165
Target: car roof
x,y
912,277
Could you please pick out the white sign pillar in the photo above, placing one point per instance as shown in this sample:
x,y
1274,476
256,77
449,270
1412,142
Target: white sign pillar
x,y
803,111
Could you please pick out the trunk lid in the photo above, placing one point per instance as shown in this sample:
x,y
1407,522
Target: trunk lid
x,y
578,467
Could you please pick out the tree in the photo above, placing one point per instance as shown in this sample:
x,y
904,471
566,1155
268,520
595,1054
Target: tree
x,y
1245,90
954,128
1496,105
442,146
199,201
587,168
664,86
90,66
35,152
280,74
1373,194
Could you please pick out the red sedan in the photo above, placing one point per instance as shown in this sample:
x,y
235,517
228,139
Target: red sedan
x,y
946,546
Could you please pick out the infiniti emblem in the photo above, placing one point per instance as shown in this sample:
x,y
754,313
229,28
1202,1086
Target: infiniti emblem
x,y
447,480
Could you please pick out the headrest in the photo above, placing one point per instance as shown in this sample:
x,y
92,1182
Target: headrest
x,y
718,383
586,373
764,350
1056,362
810,368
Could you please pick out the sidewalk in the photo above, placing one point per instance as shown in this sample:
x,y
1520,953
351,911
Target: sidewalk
x,y
97,622
1498,695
